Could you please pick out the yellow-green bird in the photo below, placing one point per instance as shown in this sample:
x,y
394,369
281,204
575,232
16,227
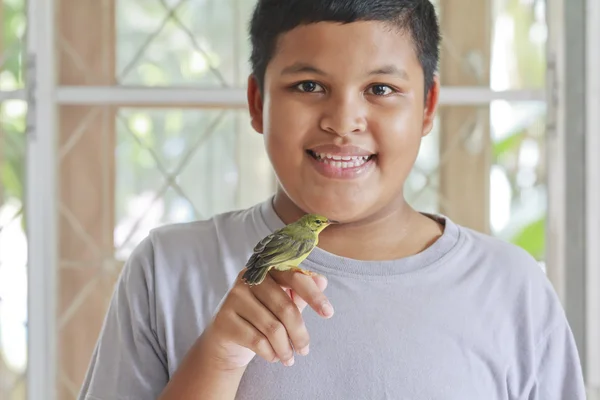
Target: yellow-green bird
x,y
285,248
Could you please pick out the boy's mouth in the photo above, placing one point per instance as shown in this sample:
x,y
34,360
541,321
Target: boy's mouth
x,y
343,162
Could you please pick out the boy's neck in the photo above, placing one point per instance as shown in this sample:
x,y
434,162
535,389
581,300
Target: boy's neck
x,y
395,232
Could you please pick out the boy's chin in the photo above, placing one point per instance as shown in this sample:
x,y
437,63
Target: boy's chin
x,y
343,210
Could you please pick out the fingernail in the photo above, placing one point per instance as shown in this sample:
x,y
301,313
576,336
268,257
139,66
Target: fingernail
x,y
304,351
289,362
327,309
275,360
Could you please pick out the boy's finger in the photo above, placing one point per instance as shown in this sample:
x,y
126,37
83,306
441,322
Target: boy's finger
x,y
306,288
284,319
321,282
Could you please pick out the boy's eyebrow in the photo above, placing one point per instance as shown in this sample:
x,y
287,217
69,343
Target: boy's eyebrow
x,y
390,70
300,67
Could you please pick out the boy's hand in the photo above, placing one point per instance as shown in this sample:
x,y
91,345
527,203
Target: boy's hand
x,y
264,319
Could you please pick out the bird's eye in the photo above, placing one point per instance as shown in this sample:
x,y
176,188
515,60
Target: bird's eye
x,y
319,222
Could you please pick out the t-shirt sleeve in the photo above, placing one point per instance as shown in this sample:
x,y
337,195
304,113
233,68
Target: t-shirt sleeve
x,y
559,375
554,372
128,362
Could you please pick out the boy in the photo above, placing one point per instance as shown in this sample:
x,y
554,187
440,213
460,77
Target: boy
x,y
343,91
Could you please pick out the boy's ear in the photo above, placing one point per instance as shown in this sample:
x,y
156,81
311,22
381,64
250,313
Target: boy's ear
x,y
431,105
255,104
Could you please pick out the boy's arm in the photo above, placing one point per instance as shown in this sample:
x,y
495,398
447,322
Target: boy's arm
x,y
199,378
128,361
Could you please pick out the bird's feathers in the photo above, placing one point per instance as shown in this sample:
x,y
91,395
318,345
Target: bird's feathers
x,y
285,248
280,248
256,275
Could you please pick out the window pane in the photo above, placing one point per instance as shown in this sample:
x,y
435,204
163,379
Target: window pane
x,y
205,42
13,241
517,47
182,42
519,44
178,165
516,163
12,32
13,253
518,176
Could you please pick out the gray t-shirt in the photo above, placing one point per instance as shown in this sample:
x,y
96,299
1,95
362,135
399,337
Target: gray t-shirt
x,y
469,318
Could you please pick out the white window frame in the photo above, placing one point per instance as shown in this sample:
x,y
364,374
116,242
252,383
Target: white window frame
x,y
236,98
592,268
576,281
41,191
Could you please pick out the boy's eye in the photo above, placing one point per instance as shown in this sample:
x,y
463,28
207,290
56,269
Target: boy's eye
x,y
310,87
381,90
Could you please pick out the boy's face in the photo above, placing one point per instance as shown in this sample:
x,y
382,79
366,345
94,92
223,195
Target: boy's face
x,y
343,115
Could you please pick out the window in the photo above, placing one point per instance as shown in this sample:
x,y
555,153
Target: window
x,y
126,166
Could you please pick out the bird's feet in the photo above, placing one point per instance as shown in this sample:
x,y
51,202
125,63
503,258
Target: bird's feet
x,y
303,271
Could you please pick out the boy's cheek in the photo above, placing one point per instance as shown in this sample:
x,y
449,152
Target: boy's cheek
x,y
291,123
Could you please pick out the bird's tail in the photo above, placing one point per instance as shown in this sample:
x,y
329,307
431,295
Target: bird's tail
x,y
254,276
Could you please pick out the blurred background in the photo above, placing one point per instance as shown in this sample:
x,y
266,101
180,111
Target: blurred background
x,y
117,116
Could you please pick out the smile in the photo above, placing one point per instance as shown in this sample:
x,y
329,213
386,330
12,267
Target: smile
x,y
341,166
337,161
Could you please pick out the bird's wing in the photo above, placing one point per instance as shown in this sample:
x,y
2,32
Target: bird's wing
x,y
277,248
260,246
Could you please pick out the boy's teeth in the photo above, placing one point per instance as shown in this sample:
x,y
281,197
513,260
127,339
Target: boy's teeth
x,y
330,157
342,161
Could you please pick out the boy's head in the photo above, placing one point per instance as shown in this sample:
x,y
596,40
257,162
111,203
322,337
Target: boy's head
x,y
272,18
343,91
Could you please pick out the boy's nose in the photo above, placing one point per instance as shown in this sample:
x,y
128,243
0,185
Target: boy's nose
x,y
344,117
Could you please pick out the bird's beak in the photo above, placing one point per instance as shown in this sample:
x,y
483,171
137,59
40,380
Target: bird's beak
x,y
333,222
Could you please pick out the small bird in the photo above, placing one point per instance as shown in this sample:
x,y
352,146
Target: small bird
x,y
285,248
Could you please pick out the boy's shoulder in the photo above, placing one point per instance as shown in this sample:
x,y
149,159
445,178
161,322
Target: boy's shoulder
x,y
203,232
498,252
485,252
510,274
214,248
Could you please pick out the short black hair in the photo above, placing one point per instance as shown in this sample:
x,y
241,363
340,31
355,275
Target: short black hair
x,y
271,18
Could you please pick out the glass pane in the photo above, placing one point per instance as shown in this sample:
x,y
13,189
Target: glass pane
x,y
13,253
124,172
517,47
178,165
13,240
421,188
205,42
182,42
153,144
517,177
518,190
519,44
12,31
